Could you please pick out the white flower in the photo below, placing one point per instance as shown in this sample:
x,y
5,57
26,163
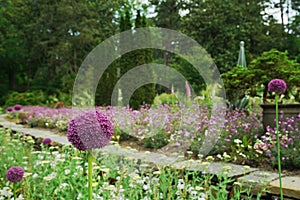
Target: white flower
x,y
180,184
67,171
50,176
237,141
79,196
35,175
6,192
63,185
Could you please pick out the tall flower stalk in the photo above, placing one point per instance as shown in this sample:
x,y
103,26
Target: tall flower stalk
x,y
88,131
15,174
278,86
90,175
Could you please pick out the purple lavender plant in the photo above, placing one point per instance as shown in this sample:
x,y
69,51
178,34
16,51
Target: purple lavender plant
x,y
90,130
15,174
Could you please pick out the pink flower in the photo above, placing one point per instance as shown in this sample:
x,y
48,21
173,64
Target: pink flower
x,y
188,89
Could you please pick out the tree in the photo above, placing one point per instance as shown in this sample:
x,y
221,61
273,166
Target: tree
x,y
46,41
145,94
219,26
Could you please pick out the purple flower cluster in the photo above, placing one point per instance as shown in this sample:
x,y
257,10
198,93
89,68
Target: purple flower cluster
x,y
277,85
15,174
16,107
239,123
289,141
180,123
47,141
90,130
9,109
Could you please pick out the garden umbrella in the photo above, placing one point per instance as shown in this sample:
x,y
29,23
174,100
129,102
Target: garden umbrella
x,y
242,58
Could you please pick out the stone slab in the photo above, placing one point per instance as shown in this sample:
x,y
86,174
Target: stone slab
x,y
257,180
33,132
216,168
290,186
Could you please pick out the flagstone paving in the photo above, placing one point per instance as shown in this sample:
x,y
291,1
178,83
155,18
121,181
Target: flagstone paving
x,y
290,187
249,177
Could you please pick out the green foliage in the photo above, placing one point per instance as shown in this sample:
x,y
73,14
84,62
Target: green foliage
x,y
43,42
220,25
240,103
26,98
157,141
36,97
165,98
254,80
145,93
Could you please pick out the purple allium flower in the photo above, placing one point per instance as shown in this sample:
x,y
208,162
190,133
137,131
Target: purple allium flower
x,y
47,141
90,130
15,174
277,85
17,107
9,109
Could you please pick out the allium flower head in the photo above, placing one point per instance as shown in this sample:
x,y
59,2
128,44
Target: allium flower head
x,y
9,109
17,107
47,141
277,85
90,130
15,174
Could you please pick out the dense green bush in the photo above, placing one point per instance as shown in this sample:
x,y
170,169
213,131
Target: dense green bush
x,y
36,97
165,98
253,80
157,141
26,98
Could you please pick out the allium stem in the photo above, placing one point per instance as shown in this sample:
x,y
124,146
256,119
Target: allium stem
x,y
90,175
278,147
14,191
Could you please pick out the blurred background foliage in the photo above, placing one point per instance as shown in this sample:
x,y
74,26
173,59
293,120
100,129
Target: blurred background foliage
x,y
44,42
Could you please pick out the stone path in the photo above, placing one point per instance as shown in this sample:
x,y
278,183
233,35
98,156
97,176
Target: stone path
x,y
249,177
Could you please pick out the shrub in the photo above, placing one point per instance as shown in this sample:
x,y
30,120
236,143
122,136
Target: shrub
x,y
26,98
254,80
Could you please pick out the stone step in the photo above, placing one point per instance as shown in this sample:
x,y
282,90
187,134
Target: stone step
x,y
257,180
290,186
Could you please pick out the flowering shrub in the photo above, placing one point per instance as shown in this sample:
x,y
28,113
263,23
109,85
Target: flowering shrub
x,y
289,140
159,125
241,130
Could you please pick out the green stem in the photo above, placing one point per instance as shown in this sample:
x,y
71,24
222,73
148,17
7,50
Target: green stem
x,y
14,191
90,175
278,148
